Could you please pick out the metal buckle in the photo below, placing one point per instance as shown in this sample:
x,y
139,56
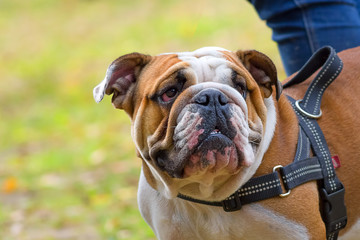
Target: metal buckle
x,y
232,203
297,105
333,209
280,174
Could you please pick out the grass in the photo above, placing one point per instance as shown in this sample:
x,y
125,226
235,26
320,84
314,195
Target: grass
x,y
68,165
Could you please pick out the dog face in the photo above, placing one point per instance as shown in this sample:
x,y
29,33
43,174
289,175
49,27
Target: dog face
x,y
200,120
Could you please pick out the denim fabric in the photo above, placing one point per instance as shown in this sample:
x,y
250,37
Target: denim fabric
x,y
300,27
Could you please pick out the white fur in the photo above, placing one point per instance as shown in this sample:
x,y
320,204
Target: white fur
x,y
99,90
208,64
269,127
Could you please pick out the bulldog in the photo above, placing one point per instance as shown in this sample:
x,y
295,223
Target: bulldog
x,y
207,121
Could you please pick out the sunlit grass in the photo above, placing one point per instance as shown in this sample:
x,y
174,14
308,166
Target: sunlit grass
x,y
68,165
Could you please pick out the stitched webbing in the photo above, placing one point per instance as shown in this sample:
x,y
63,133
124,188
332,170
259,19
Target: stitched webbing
x,y
331,190
269,185
331,67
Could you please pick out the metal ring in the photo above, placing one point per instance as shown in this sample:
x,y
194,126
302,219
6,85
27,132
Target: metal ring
x,y
277,167
289,191
297,105
285,194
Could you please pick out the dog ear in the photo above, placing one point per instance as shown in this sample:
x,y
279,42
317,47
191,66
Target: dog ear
x,y
262,70
120,77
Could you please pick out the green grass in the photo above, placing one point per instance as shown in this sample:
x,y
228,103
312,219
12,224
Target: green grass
x,y
72,160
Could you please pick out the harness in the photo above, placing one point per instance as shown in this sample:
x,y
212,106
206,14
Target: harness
x,y
304,168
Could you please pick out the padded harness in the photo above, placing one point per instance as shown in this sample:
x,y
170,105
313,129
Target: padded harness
x,y
304,168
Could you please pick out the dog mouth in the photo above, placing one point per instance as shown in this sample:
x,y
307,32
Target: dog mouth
x,y
215,150
214,139
215,131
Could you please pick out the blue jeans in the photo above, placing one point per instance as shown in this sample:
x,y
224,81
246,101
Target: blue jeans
x,y
300,27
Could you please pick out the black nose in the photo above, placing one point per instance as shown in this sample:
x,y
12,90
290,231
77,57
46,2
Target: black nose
x,y
211,98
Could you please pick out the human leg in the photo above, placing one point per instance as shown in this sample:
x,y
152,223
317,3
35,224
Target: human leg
x,y
300,27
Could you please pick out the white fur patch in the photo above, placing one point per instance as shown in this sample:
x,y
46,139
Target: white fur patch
x,y
99,90
208,64
269,127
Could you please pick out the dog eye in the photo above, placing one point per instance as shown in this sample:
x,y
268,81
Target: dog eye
x,y
171,92
239,84
240,87
169,95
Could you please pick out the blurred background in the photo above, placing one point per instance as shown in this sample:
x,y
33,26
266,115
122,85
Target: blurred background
x,y
68,168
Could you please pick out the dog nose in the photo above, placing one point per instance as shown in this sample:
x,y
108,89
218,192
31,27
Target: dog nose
x,y
211,97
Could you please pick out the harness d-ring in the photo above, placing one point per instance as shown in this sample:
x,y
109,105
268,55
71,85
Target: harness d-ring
x,y
297,105
275,170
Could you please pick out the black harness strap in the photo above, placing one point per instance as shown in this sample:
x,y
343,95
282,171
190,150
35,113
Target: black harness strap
x,y
269,185
256,189
308,110
304,168
331,190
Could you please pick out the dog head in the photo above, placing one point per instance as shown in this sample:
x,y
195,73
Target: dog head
x,y
201,121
